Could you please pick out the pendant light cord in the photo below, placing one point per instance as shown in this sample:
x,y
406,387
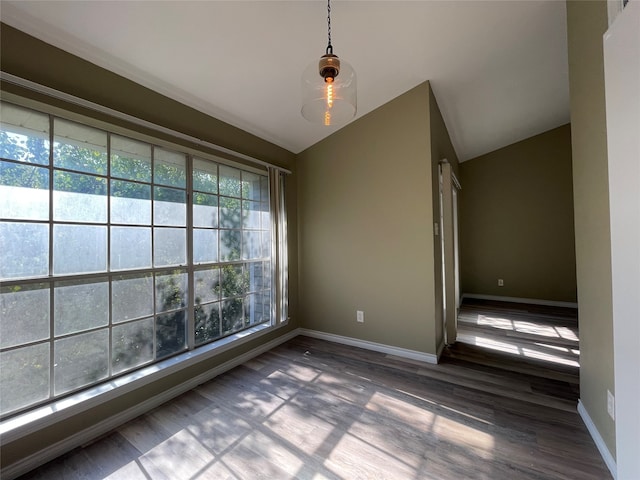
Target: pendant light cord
x,y
329,46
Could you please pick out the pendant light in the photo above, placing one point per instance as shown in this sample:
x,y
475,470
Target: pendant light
x,y
329,87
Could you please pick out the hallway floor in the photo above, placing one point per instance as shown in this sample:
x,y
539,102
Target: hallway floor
x,y
523,341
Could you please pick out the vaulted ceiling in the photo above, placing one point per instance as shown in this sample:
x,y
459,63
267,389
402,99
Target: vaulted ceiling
x,y
498,68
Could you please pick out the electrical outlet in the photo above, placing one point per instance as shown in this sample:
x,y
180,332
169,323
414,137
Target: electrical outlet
x,y
360,316
611,405
500,282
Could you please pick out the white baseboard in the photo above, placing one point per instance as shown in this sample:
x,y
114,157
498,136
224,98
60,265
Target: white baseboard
x,y
377,347
533,301
105,426
598,440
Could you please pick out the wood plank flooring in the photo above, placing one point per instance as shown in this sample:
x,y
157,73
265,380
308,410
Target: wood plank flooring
x,y
522,344
542,335
312,409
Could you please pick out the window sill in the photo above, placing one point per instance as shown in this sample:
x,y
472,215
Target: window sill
x,y
32,421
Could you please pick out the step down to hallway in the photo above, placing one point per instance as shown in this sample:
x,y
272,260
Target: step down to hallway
x,y
528,352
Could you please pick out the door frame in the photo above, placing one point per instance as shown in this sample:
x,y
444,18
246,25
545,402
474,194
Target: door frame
x,y
449,241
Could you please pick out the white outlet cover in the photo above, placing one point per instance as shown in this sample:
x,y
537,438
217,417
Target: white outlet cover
x,y
611,405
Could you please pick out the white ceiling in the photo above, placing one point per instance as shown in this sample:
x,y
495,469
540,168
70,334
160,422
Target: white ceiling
x,y
498,68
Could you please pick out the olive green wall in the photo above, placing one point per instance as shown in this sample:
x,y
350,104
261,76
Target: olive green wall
x,y
516,220
366,228
441,149
586,23
34,60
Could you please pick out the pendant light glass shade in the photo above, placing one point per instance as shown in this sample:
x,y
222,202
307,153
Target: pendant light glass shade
x,y
329,87
329,101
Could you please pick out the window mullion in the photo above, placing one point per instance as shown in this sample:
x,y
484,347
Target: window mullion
x,y
153,255
51,296
283,257
110,277
274,188
190,313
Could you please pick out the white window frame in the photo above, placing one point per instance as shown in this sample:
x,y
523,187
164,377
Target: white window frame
x,y
35,418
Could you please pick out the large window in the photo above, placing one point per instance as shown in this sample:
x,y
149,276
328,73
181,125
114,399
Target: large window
x,y
116,253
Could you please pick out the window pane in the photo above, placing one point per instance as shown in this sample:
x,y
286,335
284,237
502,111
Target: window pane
x,y
207,285
251,212
258,276
254,310
25,250
169,247
205,210
265,301
130,159
232,316
251,245
264,189
266,216
205,246
171,291
230,244
24,134
234,280
132,297
78,147
132,345
130,203
205,176
80,360
79,306
24,314
251,186
266,278
266,243
230,213
130,248
170,333
207,322
24,377
79,249
79,198
24,191
169,207
229,181
169,168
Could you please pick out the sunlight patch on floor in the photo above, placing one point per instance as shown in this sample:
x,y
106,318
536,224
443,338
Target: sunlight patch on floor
x,y
526,327
490,343
566,333
131,471
181,449
444,407
354,458
502,323
526,352
480,442
574,351
547,357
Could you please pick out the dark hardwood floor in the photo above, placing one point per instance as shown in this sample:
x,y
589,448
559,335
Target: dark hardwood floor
x,y
313,409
